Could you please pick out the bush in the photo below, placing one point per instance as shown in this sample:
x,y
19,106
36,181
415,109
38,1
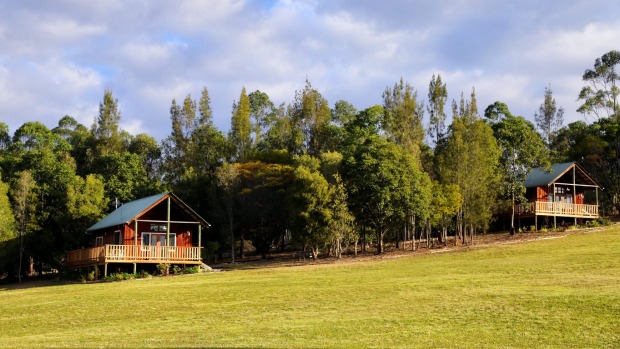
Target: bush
x,y
603,221
192,270
163,269
176,270
144,275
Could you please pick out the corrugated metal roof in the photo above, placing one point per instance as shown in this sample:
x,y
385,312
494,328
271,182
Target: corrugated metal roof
x,y
127,212
539,177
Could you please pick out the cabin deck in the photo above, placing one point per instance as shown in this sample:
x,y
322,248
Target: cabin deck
x,y
133,254
559,209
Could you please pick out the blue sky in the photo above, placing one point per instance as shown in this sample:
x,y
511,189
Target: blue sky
x,y
58,57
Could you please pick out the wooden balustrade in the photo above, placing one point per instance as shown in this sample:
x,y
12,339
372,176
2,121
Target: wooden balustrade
x,y
542,208
133,254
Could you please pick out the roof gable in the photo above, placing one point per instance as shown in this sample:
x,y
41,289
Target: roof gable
x,y
540,177
134,209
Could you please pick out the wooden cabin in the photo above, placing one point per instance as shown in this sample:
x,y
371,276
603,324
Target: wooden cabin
x,y
560,193
156,229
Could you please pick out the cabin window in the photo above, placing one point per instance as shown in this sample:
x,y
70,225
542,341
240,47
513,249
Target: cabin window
x,y
158,239
117,238
99,241
155,227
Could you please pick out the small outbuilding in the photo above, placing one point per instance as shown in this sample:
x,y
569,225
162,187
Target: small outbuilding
x,y
156,229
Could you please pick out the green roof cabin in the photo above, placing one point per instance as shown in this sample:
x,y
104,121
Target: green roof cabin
x,y
156,229
565,193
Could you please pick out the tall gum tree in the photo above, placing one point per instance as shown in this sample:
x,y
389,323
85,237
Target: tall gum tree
x,y
600,96
470,160
522,149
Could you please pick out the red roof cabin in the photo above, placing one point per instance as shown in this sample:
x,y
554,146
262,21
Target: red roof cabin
x,y
156,229
560,193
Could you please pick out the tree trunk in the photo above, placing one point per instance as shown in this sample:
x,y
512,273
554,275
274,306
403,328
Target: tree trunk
x,y
380,241
242,243
315,252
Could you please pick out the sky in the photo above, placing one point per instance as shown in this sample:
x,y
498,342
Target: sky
x,y
58,57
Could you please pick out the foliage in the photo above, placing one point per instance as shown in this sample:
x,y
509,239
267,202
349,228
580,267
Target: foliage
x,y
262,211
469,159
600,96
402,118
240,135
437,96
522,150
380,178
549,118
163,269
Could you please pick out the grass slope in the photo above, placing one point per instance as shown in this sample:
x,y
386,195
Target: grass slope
x,y
556,293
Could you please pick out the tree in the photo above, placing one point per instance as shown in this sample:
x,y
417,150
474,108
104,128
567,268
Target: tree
x,y
311,198
25,199
342,224
380,178
470,160
309,116
148,150
600,97
437,96
549,118
522,150
106,127
445,204
262,211
241,128
403,113
7,226
263,112
343,113
85,205
228,179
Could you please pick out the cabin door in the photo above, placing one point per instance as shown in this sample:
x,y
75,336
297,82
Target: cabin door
x,y
159,241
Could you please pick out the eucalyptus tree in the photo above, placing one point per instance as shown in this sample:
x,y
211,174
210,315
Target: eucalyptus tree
x,y
470,160
522,150
310,198
403,114
8,229
147,148
600,96
228,180
85,204
437,96
549,117
106,129
25,205
309,116
81,141
381,178
263,115
240,135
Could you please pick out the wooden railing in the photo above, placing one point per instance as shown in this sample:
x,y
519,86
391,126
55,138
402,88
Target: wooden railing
x,y
133,254
542,208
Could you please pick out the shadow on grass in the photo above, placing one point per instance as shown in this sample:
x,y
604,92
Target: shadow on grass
x,y
34,282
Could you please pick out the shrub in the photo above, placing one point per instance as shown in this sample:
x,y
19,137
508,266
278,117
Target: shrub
x,y
176,270
603,221
163,269
192,270
144,275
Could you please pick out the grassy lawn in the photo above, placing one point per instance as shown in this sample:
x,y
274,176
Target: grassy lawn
x,y
556,293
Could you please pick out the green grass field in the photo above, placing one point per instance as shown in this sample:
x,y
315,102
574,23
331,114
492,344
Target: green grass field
x,y
555,293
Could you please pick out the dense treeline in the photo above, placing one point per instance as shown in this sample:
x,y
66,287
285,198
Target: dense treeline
x,y
302,174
